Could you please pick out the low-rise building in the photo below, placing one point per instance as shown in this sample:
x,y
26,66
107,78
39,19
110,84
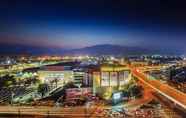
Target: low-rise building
x,y
60,73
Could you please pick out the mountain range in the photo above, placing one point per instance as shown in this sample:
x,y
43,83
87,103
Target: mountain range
x,y
105,49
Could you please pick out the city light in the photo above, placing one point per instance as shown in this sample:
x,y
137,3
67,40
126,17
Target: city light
x,y
92,59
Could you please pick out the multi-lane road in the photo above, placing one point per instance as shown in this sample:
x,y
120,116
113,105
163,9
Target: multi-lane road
x,y
20,67
78,112
177,97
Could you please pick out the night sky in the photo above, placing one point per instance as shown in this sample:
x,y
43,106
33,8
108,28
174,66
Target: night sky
x,y
80,23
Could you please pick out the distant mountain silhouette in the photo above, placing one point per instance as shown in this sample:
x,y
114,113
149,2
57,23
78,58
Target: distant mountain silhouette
x,y
105,49
108,49
31,50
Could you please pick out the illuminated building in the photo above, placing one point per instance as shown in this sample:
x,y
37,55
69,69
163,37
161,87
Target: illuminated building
x,y
79,76
61,76
62,73
107,79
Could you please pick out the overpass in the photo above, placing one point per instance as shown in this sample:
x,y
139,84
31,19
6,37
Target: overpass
x,y
152,68
177,97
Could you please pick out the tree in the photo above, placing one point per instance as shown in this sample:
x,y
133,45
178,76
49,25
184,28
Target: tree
x,y
7,80
42,89
8,83
136,91
56,80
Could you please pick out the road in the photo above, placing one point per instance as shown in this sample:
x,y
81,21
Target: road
x,y
20,67
172,94
70,112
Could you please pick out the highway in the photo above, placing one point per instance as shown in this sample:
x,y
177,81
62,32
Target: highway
x,y
78,112
21,67
169,92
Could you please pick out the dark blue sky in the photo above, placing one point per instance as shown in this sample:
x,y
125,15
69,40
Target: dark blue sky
x,y
81,23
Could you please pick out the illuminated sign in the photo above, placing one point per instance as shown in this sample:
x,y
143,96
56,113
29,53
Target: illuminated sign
x,y
117,96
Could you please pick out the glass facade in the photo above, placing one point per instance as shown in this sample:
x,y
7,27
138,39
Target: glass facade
x,y
105,79
113,79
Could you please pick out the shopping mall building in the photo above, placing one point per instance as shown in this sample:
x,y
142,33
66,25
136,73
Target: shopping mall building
x,y
103,79
107,79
